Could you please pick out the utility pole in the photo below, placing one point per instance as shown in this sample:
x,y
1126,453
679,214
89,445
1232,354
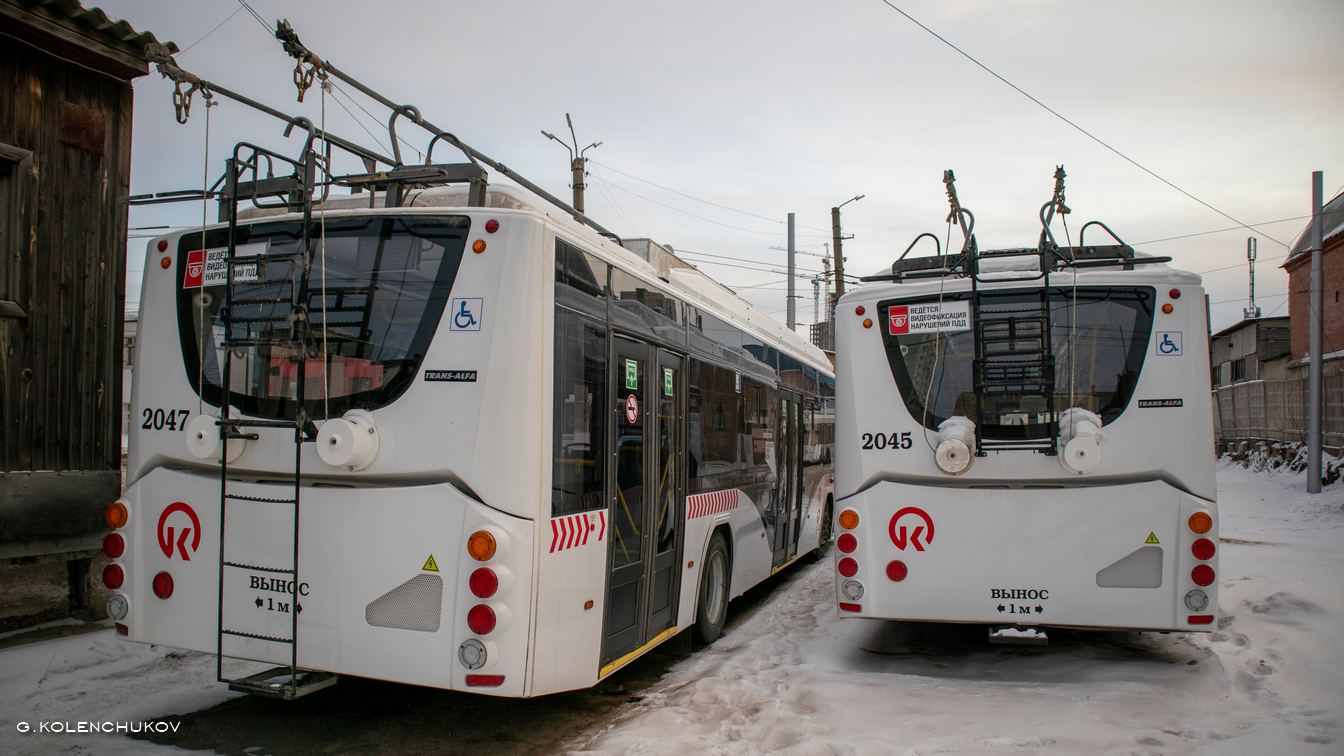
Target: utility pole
x,y
837,237
793,314
1251,310
576,161
1314,409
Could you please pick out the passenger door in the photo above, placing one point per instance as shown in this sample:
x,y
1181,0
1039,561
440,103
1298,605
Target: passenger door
x,y
646,517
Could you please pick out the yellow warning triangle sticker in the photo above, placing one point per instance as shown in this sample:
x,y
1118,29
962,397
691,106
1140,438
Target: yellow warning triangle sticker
x,y
1152,538
430,566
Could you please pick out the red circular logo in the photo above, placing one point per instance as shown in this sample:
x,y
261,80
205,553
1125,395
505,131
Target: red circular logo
x,y
166,541
924,532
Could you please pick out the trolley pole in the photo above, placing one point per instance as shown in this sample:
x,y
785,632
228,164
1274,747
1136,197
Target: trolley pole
x,y
793,313
1314,407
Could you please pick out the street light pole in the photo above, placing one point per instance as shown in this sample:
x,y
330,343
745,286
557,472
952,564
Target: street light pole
x,y
576,161
836,237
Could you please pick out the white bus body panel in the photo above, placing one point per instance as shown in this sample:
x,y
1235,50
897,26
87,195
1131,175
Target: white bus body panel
x,y
353,550
1027,557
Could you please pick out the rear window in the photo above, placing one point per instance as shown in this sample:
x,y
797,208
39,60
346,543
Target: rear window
x,y
375,297
1098,348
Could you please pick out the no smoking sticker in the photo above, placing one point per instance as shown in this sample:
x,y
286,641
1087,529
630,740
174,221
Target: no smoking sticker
x,y
631,408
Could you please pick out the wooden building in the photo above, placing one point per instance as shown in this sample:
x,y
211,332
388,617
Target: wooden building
x,y
65,151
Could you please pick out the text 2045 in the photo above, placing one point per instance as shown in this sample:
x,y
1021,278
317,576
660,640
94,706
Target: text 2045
x,y
887,440
162,419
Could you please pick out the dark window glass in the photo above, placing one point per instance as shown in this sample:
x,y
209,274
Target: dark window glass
x,y
377,290
646,309
580,280
580,436
1099,348
1239,370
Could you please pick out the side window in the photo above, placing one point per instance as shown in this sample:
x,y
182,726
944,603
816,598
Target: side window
x,y
648,309
579,427
580,280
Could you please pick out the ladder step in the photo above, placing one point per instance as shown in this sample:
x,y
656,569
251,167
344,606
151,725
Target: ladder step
x,y
253,423
258,569
254,636
240,497
281,682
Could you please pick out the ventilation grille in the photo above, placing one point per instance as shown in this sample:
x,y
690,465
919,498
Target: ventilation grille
x,y
1141,569
414,605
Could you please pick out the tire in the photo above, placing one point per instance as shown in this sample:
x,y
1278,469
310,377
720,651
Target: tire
x,y
824,536
712,609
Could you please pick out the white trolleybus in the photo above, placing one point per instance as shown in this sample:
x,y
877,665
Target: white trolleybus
x,y
450,436
1024,438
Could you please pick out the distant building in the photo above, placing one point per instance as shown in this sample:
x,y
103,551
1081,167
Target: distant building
x,y
1298,266
1253,350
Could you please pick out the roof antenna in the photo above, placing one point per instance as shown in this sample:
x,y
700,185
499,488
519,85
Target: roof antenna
x,y
1251,311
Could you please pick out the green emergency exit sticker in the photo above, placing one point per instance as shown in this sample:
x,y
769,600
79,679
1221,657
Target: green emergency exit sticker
x,y
631,375
667,381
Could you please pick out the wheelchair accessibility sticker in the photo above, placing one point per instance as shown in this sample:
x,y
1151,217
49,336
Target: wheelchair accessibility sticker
x,y
465,314
1168,343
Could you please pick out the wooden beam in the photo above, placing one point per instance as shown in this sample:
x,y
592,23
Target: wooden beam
x,y
10,309
14,154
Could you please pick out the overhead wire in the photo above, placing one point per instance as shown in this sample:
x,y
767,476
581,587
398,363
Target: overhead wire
x,y
697,199
693,215
236,11
1085,132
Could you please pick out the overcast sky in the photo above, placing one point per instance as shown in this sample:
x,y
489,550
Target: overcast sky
x,y
719,118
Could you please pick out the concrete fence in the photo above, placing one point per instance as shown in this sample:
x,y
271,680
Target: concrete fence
x,y
1276,410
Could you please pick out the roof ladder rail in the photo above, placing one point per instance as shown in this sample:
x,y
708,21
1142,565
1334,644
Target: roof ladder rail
x,y
264,314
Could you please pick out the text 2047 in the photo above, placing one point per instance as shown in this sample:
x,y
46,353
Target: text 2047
x,y
161,419
887,440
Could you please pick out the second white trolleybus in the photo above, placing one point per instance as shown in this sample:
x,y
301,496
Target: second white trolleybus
x,y
1024,437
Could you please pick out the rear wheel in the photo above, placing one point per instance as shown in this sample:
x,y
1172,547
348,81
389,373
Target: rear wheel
x,y
712,610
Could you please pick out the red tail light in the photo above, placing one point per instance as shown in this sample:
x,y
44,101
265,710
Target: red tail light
x,y
163,585
481,619
1202,574
491,226
113,576
485,681
897,571
113,546
851,607
847,543
122,629
1203,549
484,582
848,567
1200,619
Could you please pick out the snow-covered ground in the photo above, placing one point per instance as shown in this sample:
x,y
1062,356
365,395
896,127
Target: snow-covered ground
x,y
794,678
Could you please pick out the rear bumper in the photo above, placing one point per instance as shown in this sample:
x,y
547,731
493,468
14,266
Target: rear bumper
x,y
1113,557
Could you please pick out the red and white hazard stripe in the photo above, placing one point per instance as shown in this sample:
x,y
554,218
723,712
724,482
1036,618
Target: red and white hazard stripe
x,y
575,530
710,503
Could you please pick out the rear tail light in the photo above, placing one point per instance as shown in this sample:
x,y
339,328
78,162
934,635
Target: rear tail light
x,y
492,226
1202,574
113,576
848,567
485,681
472,653
116,514
481,619
896,571
484,583
849,519
113,546
1197,600
163,585
851,607
478,246
1201,523
481,546
1200,619
122,630
853,590
847,543
1167,308
1203,549
118,607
